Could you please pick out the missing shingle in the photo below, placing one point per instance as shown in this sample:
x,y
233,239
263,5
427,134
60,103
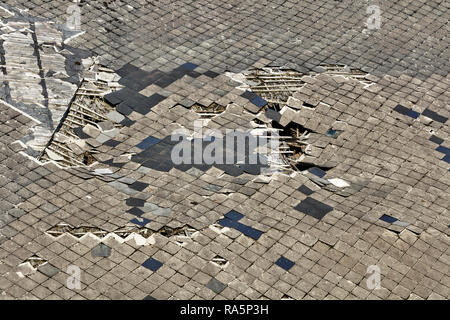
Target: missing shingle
x,y
168,232
88,158
35,261
308,105
347,72
220,261
80,231
207,112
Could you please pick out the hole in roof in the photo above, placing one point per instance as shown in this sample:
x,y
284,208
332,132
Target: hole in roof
x,y
35,261
274,84
222,262
208,112
88,107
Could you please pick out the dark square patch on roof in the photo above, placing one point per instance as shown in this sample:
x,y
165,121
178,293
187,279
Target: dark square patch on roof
x,y
189,66
433,115
259,102
313,208
112,143
148,142
284,263
401,109
388,218
249,95
234,215
101,250
79,132
413,114
249,231
152,264
135,202
211,74
216,286
141,221
136,211
139,186
436,140
126,69
444,150
154,99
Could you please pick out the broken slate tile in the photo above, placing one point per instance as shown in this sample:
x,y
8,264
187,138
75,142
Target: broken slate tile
x,y
140,221
101,250
216,286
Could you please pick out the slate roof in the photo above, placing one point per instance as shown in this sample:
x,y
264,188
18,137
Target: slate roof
x,y
140,227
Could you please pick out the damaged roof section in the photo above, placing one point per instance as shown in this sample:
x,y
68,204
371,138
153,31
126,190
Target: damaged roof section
x,y
88,116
